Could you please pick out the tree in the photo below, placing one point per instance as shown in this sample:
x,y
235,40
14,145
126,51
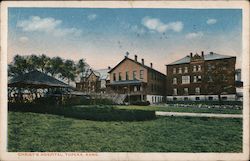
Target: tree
x,y
68,71
18,66
81,67
55,66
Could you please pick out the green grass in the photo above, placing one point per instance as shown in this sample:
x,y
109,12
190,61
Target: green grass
x,y
170,108
43,132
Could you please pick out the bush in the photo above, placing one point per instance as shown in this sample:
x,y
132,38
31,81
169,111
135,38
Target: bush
x,y
97,113
103,101
141,103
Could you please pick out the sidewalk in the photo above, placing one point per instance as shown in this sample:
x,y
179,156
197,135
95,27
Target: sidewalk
x,y
160,113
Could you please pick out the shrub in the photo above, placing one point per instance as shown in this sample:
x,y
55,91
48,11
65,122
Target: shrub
x,y
141,103
97,113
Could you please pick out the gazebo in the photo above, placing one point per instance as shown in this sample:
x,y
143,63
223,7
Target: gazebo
x,y
32,81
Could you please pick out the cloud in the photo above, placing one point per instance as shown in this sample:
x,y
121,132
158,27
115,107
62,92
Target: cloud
x,y
211,21
23,39
194,35
92,17
156,25
46,25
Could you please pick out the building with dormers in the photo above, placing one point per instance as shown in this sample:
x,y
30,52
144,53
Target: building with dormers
x,y
201,77
137,81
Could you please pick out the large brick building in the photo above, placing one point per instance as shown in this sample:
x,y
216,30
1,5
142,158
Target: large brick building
x,y
138,81
201,77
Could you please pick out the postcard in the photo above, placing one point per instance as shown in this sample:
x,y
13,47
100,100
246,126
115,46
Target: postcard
x,y
124,80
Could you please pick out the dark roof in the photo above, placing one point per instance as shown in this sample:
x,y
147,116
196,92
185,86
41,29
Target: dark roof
x,y
210,56
36,79
122,82
145,66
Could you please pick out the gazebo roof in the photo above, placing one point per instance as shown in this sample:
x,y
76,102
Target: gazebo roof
x,y
36,79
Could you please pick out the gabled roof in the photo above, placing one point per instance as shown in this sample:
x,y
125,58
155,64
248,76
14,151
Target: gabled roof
x,y
102,73
210,56
127,58
36,79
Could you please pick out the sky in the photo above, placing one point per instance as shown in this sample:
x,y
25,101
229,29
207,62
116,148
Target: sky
x,y
102,36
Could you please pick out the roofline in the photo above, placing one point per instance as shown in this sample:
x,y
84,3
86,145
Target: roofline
x,y
145,66
230,57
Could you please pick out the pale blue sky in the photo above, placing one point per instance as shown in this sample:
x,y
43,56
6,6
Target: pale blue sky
x,y
102,36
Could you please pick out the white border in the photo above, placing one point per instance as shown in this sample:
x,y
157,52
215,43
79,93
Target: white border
x,y
244,5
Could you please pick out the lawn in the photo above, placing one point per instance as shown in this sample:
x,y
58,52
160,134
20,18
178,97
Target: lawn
x,y
44,132
170,108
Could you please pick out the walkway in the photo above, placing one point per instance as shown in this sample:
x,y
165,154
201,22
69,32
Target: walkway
x,y
160,113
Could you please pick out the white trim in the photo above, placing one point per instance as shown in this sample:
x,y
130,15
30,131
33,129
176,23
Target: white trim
x,y
229,97
153,99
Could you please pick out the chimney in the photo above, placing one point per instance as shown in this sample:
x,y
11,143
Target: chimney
x,y
202,53
211,53
191,55
126,54
142,61
135,57
151,65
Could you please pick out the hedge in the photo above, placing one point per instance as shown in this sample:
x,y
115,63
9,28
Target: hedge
x,y
97,113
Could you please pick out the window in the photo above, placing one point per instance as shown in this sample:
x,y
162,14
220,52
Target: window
x,y
197,98
210,98
180,70
186,91
186,70
186,79
152,87
195,79
174,80
127,76
224,98
135,88
199,67
134,75
174,91
120,76
194,68
197,90
209,67
199,79
114,77
141,74
174,70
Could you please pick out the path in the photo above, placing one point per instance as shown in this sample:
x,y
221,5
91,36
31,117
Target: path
x,y
160,113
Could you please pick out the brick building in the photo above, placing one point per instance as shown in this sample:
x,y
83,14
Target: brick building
x,y
201,77
94,82
137,81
